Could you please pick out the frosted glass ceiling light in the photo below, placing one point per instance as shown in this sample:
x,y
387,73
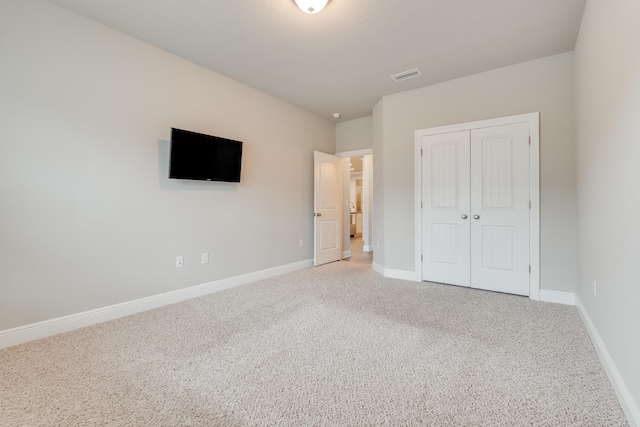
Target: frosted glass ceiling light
x,y
311,6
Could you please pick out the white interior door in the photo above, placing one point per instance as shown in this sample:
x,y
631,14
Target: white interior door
x,y
445,208
500,208
475,208
327,195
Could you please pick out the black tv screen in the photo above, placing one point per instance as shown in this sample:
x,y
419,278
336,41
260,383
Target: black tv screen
x,y
204,157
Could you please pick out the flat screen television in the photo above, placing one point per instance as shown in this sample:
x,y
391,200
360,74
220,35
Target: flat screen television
x,y
204,157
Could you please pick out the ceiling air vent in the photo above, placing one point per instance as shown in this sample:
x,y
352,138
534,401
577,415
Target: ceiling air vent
x,y
406,75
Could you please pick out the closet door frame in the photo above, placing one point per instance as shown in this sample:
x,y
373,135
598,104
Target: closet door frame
x,y
533,119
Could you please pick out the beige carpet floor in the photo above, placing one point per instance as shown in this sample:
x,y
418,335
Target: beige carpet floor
x,y
336,345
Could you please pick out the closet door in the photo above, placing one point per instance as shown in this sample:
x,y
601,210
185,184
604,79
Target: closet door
x,y
445,208
499,216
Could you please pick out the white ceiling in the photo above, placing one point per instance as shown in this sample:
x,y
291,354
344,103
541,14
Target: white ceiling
x,y
340,59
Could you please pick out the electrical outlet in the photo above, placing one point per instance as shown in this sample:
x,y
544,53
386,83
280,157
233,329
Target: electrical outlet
x,y
205,257
301,242
594,288
179,261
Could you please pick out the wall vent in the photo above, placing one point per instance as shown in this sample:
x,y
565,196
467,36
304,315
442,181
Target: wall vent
x,y
406,75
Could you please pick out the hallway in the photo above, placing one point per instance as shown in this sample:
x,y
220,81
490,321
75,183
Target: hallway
x,y
357,254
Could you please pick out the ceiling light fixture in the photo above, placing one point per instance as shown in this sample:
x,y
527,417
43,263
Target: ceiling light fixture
x,y
311,6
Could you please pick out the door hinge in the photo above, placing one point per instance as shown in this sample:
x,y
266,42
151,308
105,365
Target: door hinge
x,y
529,269
529,204
421,206
529,140
421,151
421,258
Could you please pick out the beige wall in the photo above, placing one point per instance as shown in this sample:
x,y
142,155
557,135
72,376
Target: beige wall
x,y
544,85
608,147
354,135
89,217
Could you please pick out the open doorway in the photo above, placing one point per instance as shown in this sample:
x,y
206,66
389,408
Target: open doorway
x,y
356,238
358,207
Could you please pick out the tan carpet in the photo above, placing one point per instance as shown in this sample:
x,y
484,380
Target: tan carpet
x,y
336,345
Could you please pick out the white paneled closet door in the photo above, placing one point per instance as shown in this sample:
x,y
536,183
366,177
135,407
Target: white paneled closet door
x,y
445,211
500,208
475,208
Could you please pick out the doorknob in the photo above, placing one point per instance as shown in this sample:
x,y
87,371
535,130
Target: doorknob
x,y
317,214
464,216
476,217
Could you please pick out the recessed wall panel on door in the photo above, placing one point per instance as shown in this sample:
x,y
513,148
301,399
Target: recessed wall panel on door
x,y
445,187
500,208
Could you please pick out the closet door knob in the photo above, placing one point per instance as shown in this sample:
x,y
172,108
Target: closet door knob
x,y
476,217
464,216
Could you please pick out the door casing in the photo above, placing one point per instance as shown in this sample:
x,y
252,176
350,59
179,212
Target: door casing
x,y
533,119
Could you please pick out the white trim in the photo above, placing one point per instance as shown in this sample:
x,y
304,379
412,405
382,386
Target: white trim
x,y
377,268
346,254
393,274
500,121
355,153
367,248
534,188
400,274
629,406
22,334
417,154
534,213
566,298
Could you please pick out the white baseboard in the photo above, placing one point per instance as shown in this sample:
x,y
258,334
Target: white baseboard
x,y
400,274
567,298
346,254
629,406
367,248
377,268
394,274
22,334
